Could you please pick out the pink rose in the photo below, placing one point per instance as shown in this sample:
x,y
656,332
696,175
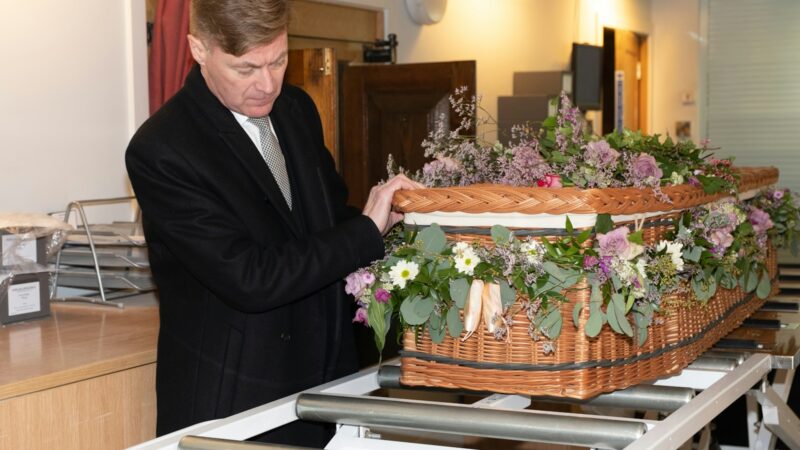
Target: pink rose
x,y
644,168
721,237
760,220
550,180
361,316
382,295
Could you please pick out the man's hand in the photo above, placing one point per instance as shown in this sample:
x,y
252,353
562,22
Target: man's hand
x,y
379,203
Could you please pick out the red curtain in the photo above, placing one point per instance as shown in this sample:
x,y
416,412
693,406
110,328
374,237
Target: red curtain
x,y
170,58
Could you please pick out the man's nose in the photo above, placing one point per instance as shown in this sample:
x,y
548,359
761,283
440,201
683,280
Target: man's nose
x,y
265,81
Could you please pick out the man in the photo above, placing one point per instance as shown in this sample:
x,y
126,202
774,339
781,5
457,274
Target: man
x,y
247,252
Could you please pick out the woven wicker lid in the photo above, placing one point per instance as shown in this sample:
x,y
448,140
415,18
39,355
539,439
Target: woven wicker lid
x,y
482,198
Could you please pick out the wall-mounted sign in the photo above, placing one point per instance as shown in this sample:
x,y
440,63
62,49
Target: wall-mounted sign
x,y
619,99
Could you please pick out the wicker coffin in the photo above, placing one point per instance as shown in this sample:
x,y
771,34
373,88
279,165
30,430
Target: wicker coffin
x,y
580,367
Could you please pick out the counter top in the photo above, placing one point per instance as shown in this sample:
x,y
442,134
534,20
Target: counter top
x,y
75,343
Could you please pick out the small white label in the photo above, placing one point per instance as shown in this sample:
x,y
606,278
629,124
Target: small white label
x,y
18,249
24,298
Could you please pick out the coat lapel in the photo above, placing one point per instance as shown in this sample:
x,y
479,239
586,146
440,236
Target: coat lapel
x,y
303,167
239,144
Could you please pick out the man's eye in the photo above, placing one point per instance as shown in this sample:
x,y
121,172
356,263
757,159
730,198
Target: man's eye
x,y
247,71
279,63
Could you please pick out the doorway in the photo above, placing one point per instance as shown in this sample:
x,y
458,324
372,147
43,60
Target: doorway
x,y
625,80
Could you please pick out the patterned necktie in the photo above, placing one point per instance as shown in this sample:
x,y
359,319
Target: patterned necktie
x,y
272,154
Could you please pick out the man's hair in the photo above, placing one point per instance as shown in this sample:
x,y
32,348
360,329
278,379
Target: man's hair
x,y
237,26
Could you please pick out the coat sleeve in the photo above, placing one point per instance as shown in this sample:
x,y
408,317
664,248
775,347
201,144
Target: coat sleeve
x,y
195,226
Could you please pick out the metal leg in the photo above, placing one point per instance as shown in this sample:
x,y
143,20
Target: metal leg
x,y
778,418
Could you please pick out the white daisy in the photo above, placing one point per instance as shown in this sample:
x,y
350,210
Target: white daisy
x,y
402,272
466,261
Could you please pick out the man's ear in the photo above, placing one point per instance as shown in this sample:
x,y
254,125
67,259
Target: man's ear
x,y
198,49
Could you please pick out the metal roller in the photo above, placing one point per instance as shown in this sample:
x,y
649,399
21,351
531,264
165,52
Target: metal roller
x,y
206,443
523,425
642,397
713,363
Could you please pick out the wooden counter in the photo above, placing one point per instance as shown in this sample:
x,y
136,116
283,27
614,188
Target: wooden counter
x,y
83,378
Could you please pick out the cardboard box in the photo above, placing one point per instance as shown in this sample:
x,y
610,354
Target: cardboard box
x,y
24,296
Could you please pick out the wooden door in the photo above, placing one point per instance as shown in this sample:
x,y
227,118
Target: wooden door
x,y
626,59
389,109
625,62
314,70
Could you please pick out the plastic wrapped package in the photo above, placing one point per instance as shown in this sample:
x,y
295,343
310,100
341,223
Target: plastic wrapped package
x,y
27,241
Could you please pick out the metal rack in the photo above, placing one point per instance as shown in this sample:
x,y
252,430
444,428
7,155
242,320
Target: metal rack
x,y
109,260
676,410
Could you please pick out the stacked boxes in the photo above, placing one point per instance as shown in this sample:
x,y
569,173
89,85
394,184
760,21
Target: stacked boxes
x,y
24,276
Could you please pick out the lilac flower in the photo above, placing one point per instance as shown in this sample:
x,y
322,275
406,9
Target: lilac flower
x,y
778,194
382,295
760,220
524,167
361,316
356,282
614,243
599,154
590,261
644,168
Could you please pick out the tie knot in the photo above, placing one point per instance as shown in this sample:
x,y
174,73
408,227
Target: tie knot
x,y
261,122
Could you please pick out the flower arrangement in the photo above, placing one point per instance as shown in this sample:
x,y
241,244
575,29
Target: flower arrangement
x,y
449,288
561,154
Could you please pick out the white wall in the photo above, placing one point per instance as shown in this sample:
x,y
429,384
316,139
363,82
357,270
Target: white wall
x,y
73,88
676,49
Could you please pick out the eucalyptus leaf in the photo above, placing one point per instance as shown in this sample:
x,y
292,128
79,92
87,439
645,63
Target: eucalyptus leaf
x,y
693,254
622,320
553,329
642,335
554,271
612,317
508,295
704,289
619,301
435,321
433,239
594,324
500,234
424,307
408,311
454,324
437,333
459,289
576,314
764,287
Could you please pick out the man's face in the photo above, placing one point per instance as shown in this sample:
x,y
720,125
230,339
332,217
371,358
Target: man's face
x,y
247,84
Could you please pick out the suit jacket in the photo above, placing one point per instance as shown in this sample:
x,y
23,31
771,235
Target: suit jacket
x,y
251,302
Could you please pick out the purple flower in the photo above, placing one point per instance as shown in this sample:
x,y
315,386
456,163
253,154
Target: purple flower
x,y
760,220
644,168
524,167
599,154
778,194
361,316
590,261
614,243
382,295
356,282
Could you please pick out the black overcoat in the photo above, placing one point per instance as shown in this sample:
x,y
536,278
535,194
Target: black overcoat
x,y
252,306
